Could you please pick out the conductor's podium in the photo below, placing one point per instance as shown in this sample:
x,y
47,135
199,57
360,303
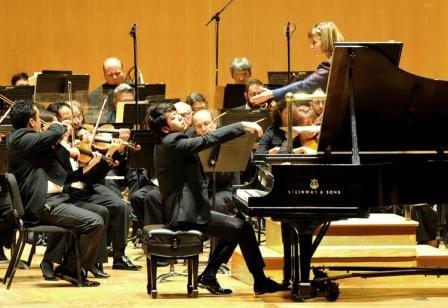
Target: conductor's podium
x,y
380,240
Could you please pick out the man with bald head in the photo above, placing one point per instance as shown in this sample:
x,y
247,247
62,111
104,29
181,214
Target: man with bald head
x,y
203,124
185,111
113,76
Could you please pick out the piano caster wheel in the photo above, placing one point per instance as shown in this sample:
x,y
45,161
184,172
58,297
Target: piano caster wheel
x,y
332,292
154,293
297,298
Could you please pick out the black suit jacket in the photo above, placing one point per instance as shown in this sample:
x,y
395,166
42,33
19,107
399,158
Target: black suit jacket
x,y
182,182
34,158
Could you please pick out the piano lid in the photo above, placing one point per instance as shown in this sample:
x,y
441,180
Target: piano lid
x,y
395,110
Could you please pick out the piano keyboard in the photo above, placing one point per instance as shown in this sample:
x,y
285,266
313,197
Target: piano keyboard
x,y
244,194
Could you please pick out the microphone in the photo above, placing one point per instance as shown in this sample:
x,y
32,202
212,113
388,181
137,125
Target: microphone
x,y
133,30
287,30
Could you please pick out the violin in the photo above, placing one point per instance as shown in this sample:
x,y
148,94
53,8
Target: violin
x,y
86,154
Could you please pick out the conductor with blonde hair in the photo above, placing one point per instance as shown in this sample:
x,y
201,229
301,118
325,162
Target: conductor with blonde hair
x,y
322,37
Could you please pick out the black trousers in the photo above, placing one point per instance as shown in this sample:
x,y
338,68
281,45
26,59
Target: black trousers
x,y
119,213
88,225
147,205
230,232
134,179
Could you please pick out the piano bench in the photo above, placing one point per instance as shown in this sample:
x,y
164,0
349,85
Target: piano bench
x,y
159,242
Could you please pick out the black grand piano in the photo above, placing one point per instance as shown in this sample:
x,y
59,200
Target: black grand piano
x,y
383,141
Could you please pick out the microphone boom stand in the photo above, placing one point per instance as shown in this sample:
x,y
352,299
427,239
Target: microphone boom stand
x,y
133,34
217,19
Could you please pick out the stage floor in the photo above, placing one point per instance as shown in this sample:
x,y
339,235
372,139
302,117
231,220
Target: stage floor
x,y
128,289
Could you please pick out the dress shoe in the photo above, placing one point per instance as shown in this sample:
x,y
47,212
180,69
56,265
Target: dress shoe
x,y
98,272
433,243
212,285
3,258
268,286
63,274
123,263
46,267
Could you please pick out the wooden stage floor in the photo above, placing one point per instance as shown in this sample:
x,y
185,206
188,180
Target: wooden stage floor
x,y
128,289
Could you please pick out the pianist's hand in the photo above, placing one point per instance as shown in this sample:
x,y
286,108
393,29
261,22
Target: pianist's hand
x,y
262,97
252,128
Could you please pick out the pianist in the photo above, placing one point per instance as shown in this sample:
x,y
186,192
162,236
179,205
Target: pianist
x,y
183,189
322,38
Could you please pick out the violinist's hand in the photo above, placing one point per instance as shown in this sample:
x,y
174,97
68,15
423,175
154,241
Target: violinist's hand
x,y
95,160
252,128
67,124
262,97
124,135
74,152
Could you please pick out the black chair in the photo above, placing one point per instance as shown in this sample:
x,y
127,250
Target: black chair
x,y
24,232
159,242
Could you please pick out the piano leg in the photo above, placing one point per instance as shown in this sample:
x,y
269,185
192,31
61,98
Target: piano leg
x,y
301,250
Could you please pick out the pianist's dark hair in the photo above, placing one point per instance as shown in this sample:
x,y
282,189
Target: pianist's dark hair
x,y
21,113
156,118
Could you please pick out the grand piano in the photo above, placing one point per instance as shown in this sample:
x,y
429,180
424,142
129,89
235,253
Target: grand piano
x,y
383,141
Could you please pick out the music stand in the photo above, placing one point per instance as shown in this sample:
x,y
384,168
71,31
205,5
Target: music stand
x,y
281,77
57,83
144,158
234,95
231,156
125,112
155,100
155,89
237,115
16,93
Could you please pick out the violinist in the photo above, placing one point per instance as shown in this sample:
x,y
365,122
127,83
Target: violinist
x,y
124,93
94,191
41,167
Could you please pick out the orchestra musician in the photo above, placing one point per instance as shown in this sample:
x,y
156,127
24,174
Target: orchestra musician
x,y
20,79
253,87
113,76
35,158
91,190
241,70
197,101
322,37
185,199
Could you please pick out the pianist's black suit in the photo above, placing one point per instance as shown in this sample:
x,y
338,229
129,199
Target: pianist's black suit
x,y
183,187
33,158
